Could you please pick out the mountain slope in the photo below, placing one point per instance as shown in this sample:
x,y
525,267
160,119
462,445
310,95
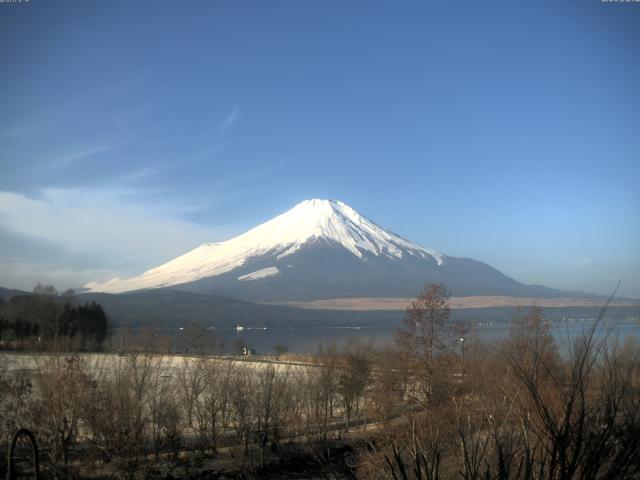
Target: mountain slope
x,y
308,222
320,249
166,307
7,293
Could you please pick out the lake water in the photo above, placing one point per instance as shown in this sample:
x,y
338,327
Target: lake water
x,y
307,339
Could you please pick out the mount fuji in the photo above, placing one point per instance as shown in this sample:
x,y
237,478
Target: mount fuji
x,y
317,250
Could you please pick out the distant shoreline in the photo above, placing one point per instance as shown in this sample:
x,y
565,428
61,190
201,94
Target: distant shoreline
x,y
388,303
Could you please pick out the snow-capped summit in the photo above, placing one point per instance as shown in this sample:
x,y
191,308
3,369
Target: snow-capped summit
x,y
310,221
318,249
335,222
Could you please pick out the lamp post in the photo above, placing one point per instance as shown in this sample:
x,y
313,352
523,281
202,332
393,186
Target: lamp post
x,y
462,345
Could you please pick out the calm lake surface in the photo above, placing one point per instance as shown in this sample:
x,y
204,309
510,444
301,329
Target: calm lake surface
x,y
307,339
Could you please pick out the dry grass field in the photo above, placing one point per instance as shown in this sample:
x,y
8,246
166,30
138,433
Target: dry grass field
x,y
388,303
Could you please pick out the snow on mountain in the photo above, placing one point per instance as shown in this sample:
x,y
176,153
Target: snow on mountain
x,y
258,274
308,222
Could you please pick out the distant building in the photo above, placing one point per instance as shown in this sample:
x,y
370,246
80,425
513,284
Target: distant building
x,y
247,352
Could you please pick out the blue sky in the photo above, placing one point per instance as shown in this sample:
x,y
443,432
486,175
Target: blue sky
x,y
507,132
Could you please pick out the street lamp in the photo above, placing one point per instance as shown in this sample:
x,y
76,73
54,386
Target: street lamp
x,y
462,344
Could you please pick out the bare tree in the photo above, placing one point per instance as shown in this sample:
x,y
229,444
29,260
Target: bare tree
x,y
16,389
201,341
563,419
56,406
388,384
272,398
354,377
243,416
213,400
117,414
413,449
165,417
190,382
426,336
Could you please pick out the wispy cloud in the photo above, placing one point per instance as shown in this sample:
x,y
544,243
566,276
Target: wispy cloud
x,y
217,145
140,174
78,155
230,120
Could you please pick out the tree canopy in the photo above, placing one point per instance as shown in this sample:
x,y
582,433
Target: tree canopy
x,y
46,316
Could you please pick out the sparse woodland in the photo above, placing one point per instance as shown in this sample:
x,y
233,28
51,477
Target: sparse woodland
x,y
437,404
